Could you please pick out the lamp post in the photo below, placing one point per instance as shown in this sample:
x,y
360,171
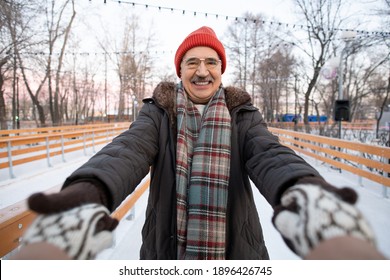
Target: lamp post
x,y
105,86
341,105
17,104
134,107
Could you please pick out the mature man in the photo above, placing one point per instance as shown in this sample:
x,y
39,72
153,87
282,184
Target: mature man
x,y
203,145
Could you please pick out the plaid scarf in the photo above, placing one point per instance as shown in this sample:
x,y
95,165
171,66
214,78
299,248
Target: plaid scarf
x,y
202,177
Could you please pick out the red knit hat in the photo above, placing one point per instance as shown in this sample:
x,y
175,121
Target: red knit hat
x,y
204,36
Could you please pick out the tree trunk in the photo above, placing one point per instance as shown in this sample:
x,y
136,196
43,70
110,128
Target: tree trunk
x,y
3,112
56,112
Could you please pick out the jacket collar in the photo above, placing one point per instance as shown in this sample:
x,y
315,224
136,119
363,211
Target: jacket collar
x,y
165,96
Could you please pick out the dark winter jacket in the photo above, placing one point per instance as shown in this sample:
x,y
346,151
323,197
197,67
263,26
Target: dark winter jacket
x,y
150,146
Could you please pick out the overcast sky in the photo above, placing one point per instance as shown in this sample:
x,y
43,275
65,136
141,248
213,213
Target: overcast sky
x,y
171,27
174,26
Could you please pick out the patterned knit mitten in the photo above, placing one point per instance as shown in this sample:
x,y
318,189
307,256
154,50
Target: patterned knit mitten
x,y
81,232
311,213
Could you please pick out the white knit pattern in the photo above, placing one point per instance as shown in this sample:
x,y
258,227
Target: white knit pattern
x,y
73,231
318,215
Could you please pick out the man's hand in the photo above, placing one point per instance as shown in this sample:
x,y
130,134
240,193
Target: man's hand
x,y
72,196
313,211
82,232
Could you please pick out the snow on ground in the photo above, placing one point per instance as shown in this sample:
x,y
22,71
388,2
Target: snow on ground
x,y
37,176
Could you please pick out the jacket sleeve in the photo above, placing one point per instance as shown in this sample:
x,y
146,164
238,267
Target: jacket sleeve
x,y
271,166
121,165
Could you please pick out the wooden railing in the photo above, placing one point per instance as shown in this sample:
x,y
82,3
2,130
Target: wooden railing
x,y
368,161
357,125
26,145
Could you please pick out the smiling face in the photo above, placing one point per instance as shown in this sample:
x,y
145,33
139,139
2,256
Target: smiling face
x,y
201,82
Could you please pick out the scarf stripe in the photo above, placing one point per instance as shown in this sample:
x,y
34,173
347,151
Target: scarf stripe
x,y
202,176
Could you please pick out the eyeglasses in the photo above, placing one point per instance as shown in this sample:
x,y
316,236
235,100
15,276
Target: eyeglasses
x,y
194,62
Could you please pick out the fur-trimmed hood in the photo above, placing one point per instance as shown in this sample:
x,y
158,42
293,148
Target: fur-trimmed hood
x,y
165,96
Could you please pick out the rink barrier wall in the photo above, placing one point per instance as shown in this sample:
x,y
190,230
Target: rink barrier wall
x,y
28,145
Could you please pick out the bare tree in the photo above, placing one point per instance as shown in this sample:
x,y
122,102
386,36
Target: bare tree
x,y
245,41
25,40
276,72
364,62
133,66
16,27
365,77
34,95
382,91
10,30
56,32
8,27
261,64
322,19
3,112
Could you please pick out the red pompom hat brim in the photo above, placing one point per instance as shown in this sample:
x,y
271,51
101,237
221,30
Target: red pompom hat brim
x,y
204,36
